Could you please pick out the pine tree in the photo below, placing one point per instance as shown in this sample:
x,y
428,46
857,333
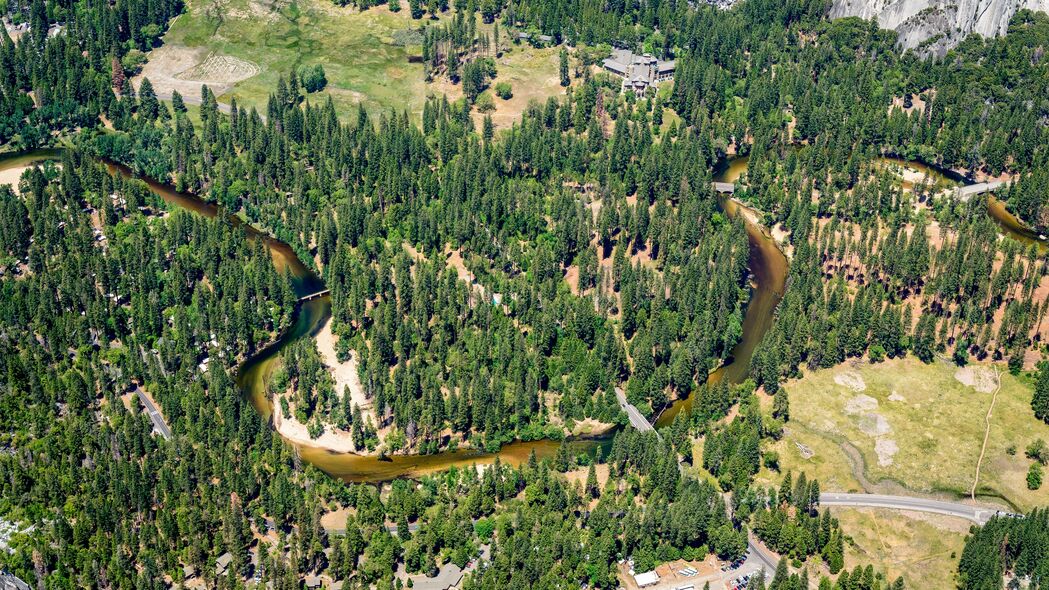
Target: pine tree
x,y
565,81
562,461
1040,400
148,106
591,482
781,405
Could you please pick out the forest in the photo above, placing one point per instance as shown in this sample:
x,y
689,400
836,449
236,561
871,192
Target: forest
x,y
491,288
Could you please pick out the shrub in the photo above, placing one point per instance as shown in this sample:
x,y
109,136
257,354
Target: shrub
x,y
1034,476
485,103
133,61
1038,451
313,78
504,90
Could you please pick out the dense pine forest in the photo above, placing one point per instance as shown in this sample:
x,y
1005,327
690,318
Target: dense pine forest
x,y
492,288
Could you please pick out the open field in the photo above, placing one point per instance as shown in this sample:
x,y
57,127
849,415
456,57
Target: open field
x,y
240,47
533,74
902,426
923,549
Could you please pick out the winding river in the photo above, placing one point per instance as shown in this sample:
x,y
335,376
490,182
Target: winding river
x,y
767,264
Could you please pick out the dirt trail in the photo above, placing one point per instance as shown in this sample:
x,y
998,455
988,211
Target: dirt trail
x,y
986,432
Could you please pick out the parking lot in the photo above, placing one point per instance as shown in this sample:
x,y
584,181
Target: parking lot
x,y
680,574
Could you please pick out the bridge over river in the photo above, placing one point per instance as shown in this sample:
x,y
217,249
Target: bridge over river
x,y
964,193
316,295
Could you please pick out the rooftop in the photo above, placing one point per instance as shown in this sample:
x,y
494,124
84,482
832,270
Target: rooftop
x,y
638,71
223,562
646,578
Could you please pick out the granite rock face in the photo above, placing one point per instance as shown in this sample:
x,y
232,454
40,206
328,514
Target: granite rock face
x,y
934,26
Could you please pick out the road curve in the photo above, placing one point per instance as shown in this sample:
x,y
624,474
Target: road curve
x,y
978,514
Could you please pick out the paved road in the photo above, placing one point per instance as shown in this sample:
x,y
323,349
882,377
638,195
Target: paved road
x,y
154,414
637,419
978,514
757,557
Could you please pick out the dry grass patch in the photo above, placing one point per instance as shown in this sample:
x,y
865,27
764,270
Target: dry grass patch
x,y
247,44
817,455
923,549
915,424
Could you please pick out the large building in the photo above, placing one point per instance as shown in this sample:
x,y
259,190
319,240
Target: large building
x,y
639,72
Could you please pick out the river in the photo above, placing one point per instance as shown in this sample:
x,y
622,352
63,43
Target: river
x,y
1009,224
767,264
254,373
769,267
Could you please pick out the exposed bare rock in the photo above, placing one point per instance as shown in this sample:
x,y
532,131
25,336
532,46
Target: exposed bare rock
x,y
934,26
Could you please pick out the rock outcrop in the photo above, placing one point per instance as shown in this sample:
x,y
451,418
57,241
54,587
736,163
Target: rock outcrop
x,y
934,26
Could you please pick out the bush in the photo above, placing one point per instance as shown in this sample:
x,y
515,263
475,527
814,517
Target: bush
x,y
877,353
485,103
504,90
313,78
1034,476
133,61
1038,451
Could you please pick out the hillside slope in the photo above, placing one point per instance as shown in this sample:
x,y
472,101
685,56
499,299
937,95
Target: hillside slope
x,y
934,26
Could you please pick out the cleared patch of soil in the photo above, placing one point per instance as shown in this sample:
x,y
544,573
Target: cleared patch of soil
x,y
220,69
336,519
979,378
874,424
860,404
885,448
853,381
173,67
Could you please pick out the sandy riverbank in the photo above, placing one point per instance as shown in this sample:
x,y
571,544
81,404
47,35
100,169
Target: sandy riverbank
x,y
344,373
337,441
346,379
12,175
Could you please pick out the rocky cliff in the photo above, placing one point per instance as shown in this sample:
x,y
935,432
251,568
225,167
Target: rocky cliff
x,y
934,26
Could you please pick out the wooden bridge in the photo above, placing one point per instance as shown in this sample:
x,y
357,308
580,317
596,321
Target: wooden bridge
x,y
313,296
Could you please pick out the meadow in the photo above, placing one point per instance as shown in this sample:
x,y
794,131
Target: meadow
x,y
903,426
239,48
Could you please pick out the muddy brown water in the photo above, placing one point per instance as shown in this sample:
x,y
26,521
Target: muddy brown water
x,y
768,267
1008,223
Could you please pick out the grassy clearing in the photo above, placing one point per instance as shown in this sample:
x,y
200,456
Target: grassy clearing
x,y
934,421
923,549
362,60
363,54
533,74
